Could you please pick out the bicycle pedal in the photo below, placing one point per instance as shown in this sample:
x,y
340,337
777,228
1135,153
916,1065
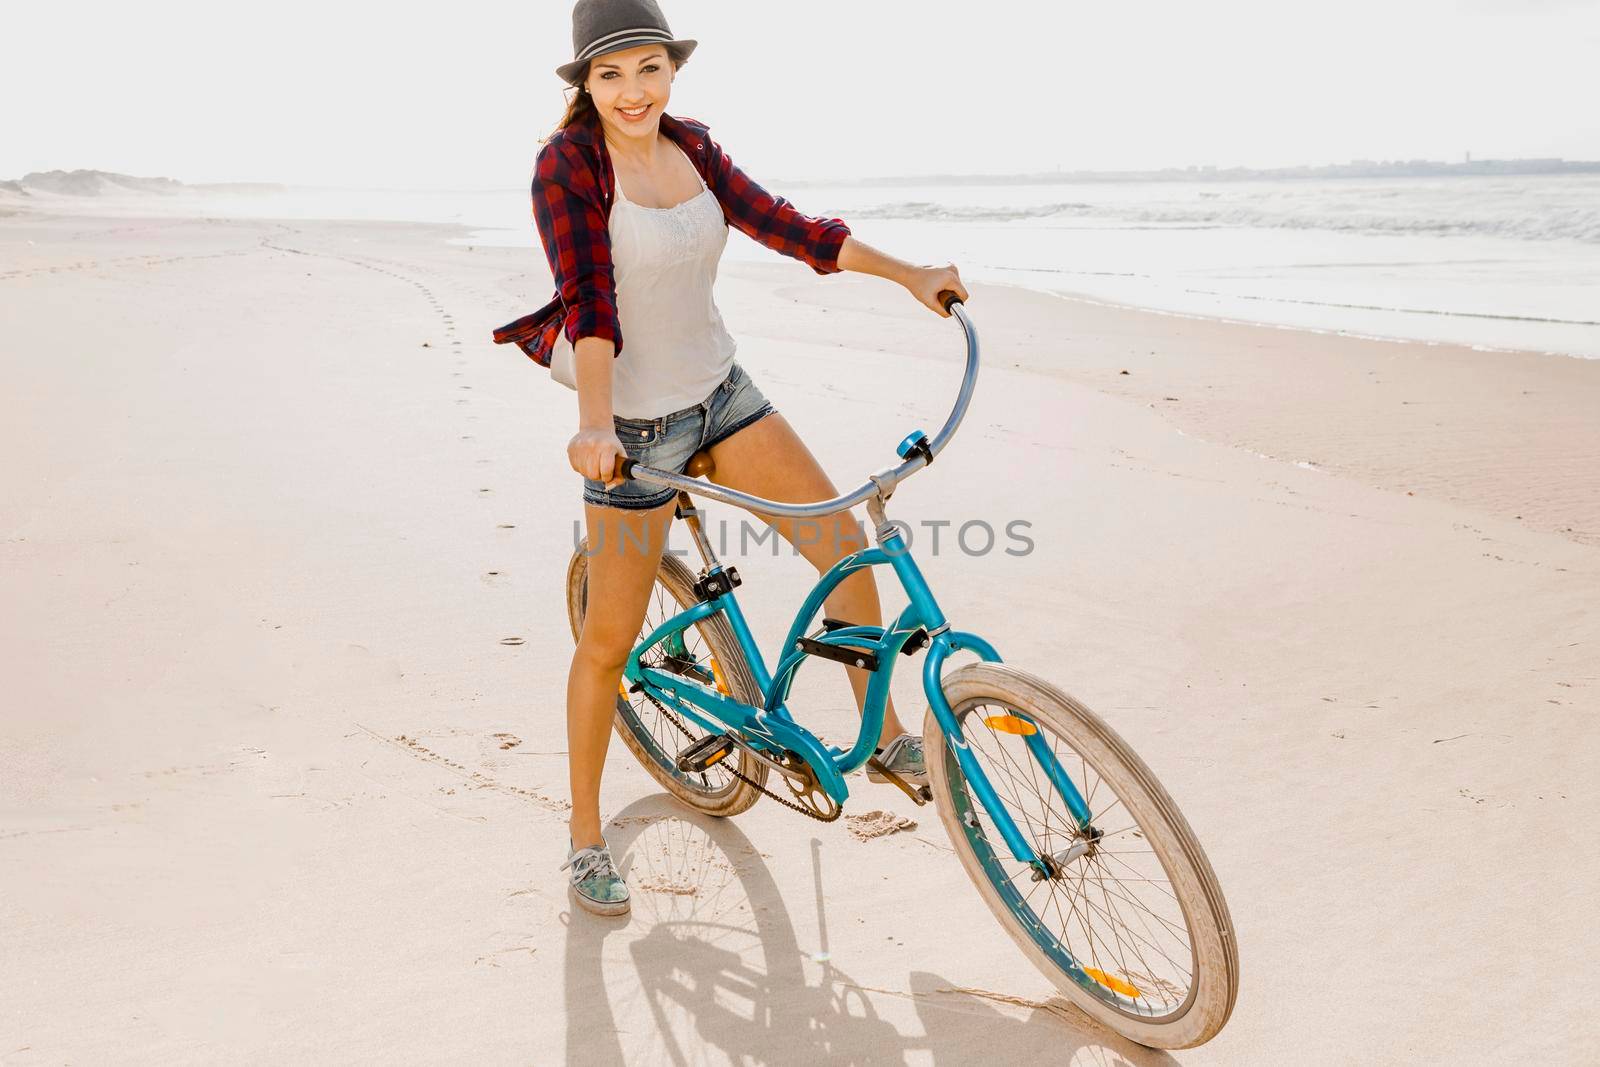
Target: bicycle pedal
x,y
705,753
919,794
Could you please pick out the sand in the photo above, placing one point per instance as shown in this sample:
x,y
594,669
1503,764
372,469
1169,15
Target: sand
x,y
282,543
873,824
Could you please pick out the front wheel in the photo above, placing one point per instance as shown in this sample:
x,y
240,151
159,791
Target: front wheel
x,y
1130,923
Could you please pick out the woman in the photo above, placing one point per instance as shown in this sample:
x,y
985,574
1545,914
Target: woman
x,y
632,207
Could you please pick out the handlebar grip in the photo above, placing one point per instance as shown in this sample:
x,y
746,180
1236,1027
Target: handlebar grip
x,y
948,297
624,469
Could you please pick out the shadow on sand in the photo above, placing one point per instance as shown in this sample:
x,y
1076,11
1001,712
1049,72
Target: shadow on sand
x,y
717,973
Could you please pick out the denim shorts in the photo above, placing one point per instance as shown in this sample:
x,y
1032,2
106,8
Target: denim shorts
x,y
668,441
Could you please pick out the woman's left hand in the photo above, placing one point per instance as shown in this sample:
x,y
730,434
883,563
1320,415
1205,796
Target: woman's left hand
x,y
926,283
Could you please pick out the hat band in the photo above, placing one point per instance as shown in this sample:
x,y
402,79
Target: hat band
x,y
645,34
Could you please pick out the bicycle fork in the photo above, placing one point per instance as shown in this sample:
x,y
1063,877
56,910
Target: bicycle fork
x,y
1021,849
943,642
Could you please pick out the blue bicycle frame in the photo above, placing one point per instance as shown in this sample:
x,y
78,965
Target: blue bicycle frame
x,y
772,729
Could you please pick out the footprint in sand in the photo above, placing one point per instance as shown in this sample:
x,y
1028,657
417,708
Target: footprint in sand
x,y
871,824
478,779
508,740
668,885
511,641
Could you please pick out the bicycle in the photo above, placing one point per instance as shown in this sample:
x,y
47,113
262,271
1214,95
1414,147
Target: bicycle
x,y
1083,839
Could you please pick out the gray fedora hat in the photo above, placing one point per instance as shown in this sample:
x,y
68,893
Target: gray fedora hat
x,y
603,26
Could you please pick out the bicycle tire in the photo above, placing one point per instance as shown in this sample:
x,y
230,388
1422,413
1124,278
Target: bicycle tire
x,y
1119,994
643,727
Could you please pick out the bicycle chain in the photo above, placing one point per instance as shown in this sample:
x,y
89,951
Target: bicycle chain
x,y
792,805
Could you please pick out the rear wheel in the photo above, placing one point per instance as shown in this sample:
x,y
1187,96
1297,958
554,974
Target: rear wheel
x,y
1130,924
708,652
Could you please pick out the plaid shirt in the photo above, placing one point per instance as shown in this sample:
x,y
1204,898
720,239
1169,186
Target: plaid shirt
x,y
573,186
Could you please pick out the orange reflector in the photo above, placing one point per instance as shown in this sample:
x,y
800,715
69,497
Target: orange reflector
x,y
1112,982
718,757
716,672
622,687
1011,724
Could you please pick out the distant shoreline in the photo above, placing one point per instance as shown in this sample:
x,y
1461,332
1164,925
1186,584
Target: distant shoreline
x,y
99,182
1361,168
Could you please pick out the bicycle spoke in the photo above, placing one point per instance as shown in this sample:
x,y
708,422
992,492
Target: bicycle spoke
x,y
1101,913
1116,927
1145,914
1033,766
666,737
1130,867
1166,987
1113,913
1084,920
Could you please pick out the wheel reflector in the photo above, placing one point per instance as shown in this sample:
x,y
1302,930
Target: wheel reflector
x,y
1011,724
716,672
1112,982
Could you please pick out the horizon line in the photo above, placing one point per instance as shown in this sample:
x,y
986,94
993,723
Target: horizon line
x,y
1553,164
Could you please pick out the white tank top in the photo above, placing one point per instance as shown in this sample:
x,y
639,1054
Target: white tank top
x,y
675,348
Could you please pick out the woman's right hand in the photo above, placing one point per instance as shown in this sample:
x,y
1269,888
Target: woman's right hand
x,y
594,453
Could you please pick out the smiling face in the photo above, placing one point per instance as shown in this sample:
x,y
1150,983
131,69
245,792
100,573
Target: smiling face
x,y
631,89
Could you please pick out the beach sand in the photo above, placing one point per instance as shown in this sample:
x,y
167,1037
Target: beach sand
x,y
282,545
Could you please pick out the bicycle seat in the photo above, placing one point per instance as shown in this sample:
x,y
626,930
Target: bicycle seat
x,y
700,465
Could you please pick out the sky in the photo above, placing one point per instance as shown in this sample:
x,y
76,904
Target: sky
x,y
458,95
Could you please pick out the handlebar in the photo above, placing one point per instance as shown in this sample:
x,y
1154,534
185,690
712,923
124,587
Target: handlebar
x,y
883,480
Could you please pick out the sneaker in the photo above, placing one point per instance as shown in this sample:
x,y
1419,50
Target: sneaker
x,y
903,756
595,884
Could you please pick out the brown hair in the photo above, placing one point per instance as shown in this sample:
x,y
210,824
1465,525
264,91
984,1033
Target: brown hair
x,y
580,106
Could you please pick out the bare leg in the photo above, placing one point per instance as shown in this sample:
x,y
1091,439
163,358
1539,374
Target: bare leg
x,y
622,571
767,458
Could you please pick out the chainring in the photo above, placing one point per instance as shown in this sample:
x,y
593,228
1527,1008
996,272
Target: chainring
x,y
803,791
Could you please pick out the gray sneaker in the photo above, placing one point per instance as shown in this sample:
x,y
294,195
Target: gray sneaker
x,y
594,882
903,756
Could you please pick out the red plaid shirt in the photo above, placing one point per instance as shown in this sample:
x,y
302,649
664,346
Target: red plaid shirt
x,y
573,186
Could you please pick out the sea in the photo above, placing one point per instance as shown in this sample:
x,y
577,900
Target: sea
x,y
1495,262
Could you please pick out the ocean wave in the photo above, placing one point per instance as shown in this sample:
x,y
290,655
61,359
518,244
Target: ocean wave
x,y
1570,224
1549,223
927,210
